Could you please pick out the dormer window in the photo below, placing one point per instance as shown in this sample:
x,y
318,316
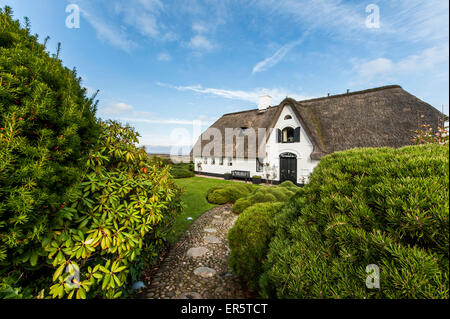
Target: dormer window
x,y
288,117
287,135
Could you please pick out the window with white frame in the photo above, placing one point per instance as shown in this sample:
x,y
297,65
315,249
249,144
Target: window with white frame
x,y
230,161
213,161
220,160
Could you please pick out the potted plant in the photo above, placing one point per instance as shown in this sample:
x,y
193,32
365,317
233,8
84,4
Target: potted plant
x,y
256,179
227,176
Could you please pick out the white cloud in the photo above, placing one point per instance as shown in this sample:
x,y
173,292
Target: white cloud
x,y
113,22
417,20
164,57
401,20
375,67
142,16
334,16
277,94
277,57
200,43
109,33
431,60
116,108
199,27
163,121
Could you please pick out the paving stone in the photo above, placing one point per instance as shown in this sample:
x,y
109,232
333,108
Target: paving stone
x,y
212,240
196,251
205,276
205,272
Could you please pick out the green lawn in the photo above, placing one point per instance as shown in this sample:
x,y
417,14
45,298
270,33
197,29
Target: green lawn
x,y
194,200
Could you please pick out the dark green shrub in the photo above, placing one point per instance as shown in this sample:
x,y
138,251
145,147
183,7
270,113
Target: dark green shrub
x,y
73,191
47,128
181,173
366,206
249,240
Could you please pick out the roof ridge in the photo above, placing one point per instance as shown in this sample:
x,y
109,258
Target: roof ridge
x,y
252,110
381,88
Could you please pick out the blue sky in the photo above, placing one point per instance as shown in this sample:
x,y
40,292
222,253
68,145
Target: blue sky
x,y
160,65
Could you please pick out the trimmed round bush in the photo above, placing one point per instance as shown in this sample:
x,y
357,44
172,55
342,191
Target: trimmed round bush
x,y
241,204
262,196
227,193
381,206
210,191
219,197
288,184
249,240
235,192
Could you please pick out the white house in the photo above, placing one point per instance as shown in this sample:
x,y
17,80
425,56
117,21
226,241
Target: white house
x,y
286,141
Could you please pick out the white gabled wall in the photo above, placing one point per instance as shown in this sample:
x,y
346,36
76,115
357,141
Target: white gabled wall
x,y
302,150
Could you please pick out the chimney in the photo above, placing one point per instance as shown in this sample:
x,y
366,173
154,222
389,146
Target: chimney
x,y
328,94
348,91
264,102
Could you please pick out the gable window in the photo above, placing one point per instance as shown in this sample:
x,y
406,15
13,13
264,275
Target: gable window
x,y
259,165
288,117
288,135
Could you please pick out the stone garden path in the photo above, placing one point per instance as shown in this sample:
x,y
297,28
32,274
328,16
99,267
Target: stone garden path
x,y
197,267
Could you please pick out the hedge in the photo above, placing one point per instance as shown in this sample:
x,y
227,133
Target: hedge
x,y
365,206
249,240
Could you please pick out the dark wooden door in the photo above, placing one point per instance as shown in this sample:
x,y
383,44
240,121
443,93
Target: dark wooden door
x,y
288,169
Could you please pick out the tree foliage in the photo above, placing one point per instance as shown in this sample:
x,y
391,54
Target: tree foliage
x,y
47,126
82,209
124,202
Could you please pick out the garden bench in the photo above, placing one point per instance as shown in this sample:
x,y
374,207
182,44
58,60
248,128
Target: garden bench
x,y
241,175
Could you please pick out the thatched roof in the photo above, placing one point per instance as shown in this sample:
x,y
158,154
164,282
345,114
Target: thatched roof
x,y
379,117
